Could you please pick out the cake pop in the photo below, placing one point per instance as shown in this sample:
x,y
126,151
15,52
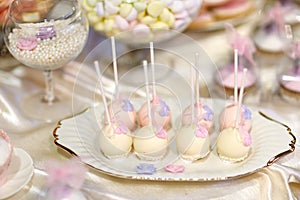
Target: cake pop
x,y
115,137
150,142
193,141
234,142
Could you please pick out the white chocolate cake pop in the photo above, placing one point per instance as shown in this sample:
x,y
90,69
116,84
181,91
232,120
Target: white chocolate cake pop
x,y
150,142
115,137
202,113
234,142
193,141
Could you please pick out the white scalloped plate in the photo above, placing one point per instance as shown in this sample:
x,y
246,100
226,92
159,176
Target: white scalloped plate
x,y
20,172
271,139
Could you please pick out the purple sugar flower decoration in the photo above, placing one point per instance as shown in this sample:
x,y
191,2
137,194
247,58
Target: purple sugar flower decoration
x,y
208,116
127,106
165,110
46,32
247,113
145,168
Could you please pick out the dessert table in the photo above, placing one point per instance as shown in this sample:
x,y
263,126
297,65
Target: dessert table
x,y
278,181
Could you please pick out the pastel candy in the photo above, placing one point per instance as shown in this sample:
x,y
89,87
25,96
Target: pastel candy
x,y
99,9
188,4
160,25
99,26
155,8
108,24
142,31
182,15
141,15
87,6
132,15
171,21
116,2
93,17
179,24
125,9
167,2
148,20
110,8
165,15
177,6
92,2
121,23
140,6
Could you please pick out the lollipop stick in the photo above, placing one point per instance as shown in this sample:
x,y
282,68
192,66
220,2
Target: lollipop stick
x,y
236,63
153,68
238,119
115,67
192,94
147,91
96,64
197,64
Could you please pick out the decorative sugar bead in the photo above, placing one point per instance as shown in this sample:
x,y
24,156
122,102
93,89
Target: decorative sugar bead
x,y
140,6
155,8
125,9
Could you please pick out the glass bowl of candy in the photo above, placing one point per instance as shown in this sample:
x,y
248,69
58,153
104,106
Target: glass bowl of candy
x,y
143,19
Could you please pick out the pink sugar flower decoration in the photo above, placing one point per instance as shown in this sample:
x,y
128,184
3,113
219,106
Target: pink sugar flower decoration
x,y
70,173
162,133
174,168
243,44
28,43
201,131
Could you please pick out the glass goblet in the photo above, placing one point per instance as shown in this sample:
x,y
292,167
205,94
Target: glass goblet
x,y
45,35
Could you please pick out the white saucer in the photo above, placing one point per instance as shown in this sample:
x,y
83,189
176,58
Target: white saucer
x,y
19,173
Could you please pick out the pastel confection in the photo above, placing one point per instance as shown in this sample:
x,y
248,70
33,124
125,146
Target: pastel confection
x,y
227,117
123,111
161,114
233,8
290,89
193,142
112,17
150,144
233,144
6,150
269,41
215,2
115,141
226,78
204,116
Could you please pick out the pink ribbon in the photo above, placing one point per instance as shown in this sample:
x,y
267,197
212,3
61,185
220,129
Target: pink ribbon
x,y
162,133
243,44
275,14
201,131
